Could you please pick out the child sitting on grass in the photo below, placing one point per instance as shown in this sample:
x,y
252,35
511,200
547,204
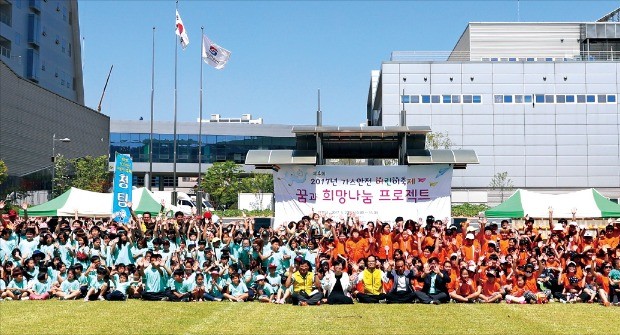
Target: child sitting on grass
x,y
70,288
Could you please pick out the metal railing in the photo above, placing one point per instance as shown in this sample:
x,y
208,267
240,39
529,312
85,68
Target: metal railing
x,y
466,56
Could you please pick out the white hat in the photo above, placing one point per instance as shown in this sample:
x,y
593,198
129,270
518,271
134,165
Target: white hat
x,y
471,229
470,236
588,233
571,263
260,277
573,223
558,226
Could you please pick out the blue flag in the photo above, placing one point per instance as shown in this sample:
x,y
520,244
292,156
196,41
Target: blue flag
x,y
122,188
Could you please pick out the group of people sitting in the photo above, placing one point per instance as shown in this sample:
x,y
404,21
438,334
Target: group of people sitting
x,y
317,260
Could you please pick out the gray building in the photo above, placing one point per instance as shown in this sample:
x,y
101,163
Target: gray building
x,y
40,41
228,140
536,100
30,116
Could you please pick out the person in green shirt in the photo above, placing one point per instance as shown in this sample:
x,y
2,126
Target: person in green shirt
x,y
98,287
70,288
17,288
179,289
40,288
121,284
264,291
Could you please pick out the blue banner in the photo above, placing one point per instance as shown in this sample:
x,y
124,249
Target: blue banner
x,y
122,188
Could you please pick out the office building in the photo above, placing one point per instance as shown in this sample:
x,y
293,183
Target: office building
x,y
40,41
536,100
228,140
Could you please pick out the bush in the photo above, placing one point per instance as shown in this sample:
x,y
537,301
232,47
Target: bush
x,y
236,213
467,210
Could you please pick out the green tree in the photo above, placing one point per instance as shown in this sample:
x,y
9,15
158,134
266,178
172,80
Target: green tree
x,y
501,182
4,172
92,173
62,175
223,182
257,183
438,140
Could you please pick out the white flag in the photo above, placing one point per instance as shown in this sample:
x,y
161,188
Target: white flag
x,y
180,31
214,54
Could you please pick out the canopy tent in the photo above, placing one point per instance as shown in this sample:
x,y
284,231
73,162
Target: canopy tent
x,y
89,203
589,204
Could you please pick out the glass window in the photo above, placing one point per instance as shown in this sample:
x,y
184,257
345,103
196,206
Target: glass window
x,y
447,99
601,98
512,59
518,98
549,98
404,99
477,99
494,59
590,98
435,99
530,59
467,98
560,98
426,99
581,98
540,98
456,99
507,99
498,99
548,59
415,99
570,98
527,99
611,98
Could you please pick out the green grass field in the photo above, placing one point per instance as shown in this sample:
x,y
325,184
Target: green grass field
x,y
139,317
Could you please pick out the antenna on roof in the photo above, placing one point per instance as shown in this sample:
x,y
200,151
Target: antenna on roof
x,y
518,11
319,114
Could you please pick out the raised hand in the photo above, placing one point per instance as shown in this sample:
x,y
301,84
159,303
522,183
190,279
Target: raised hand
x,y
24,205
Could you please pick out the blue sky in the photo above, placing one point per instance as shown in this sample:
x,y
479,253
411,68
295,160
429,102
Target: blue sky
x,y
282,51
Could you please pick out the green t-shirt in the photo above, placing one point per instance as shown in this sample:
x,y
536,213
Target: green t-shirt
x,y
180,287
69,286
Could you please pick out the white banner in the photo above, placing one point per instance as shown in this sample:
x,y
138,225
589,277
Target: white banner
x,y
372,192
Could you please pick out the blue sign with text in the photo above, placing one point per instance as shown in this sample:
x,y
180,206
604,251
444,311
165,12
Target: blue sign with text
x,y
122,188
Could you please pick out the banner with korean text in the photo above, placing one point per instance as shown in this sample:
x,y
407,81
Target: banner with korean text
x,y
122,188
371,192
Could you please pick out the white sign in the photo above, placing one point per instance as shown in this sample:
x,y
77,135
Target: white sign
x,y
371,192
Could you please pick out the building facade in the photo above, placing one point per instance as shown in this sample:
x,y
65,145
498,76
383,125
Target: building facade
x,y
40,41
30,118
221,141
536,100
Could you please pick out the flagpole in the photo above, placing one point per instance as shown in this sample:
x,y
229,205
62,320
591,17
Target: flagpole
x,y
174,150
148,182
199,193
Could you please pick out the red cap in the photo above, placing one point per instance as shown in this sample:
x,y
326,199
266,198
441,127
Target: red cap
x,y
207,215
12,213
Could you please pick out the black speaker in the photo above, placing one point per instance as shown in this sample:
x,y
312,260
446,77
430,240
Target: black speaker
x,y
262,223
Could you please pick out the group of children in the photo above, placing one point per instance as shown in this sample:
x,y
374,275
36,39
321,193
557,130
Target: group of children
x,y
197,259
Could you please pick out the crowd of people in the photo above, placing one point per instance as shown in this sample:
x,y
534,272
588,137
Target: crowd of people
x,y
316,260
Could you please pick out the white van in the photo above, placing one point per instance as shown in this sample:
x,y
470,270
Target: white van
x,y
184,202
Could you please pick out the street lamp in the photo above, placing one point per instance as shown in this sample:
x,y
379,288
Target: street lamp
x,y
54,140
